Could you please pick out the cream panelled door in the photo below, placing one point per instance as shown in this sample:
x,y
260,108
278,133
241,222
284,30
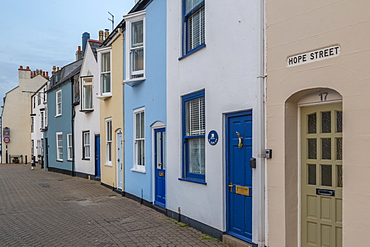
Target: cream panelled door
x,y
321,180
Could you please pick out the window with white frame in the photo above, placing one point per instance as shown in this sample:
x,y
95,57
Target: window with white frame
x,y
32,124
193,107
70,146
135,44
86,145
44,95
38,147
59,139
32,147
108,137
42,119
105,73
139,139
39,97
87,94
194,25
58,98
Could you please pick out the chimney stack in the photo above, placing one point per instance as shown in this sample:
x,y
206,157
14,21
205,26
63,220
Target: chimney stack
x,y
101,35
78,53
85,38
24,73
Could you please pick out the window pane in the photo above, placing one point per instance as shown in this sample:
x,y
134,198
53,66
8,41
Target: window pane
x,y
326,122
159,148
326,148
106,82
339,121
105,62
339,176
140,153
195,118
142,125
87,97
190,4
339,148
137,33
196,29
196,155
137,59
312,123
312,153
311,174
326,175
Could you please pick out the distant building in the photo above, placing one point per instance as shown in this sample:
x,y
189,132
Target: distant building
x,y
39,122
16,115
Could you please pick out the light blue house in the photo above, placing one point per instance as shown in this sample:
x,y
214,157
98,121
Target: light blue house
x,y
145,102
59,134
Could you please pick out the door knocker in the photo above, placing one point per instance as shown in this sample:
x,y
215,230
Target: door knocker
x,y
240,143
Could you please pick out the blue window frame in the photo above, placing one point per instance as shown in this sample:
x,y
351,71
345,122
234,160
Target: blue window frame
x,y
194,25
193,126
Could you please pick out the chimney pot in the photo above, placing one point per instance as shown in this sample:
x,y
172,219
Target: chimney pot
x,y
21,67
28,67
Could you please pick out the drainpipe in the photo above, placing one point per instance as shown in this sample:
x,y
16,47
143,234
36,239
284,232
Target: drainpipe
x,y
73,129
261,145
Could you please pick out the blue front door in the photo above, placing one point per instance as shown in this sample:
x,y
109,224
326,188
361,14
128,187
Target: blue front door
x,y
239,175
97,156
160,167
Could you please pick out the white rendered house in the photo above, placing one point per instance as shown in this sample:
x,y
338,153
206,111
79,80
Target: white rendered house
x,y
215,119
86,121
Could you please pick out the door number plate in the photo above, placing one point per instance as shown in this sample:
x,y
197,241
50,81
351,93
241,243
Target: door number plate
x,y
161,174
241,190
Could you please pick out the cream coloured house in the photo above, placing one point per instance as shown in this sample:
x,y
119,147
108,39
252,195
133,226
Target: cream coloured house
x,y
318,84
110,63
16,115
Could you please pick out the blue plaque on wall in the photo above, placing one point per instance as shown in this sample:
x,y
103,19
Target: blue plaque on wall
x,y
212,137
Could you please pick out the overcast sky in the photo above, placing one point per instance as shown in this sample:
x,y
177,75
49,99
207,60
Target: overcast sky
x,y
43,33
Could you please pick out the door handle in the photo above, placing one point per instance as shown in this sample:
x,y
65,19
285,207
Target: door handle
x,y
231,187
240,142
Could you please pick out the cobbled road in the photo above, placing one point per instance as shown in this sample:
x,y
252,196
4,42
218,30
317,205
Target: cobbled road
x,y
41,208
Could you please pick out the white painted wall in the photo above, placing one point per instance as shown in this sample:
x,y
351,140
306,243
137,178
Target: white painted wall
x,y
87,121
228,69
37,135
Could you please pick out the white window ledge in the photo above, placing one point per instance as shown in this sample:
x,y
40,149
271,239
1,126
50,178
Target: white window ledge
x,y
134,82
138,170
108,165
103,97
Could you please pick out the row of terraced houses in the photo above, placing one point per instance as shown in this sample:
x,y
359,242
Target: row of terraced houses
x,y
247,120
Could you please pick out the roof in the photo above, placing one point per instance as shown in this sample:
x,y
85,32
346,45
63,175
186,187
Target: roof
x,y
66,73
140,5
95,44
121,25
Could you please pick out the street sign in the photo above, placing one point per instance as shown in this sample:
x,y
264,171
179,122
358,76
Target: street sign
x,y
6,139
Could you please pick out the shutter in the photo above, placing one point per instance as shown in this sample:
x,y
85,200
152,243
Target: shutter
x,y
195,117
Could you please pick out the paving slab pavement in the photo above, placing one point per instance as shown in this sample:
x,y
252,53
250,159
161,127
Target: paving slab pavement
x,y
41,208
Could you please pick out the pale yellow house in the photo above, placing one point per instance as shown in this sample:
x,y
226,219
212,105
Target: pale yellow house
x,y
318,113
16,115
110,62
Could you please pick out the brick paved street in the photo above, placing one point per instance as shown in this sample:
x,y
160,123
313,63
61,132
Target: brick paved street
x,y
40,208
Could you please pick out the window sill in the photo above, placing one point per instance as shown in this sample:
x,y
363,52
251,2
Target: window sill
x,y
104,97
85,158
134,82
138,170
58,115
193,51
87,110
191,180
59,160
108,165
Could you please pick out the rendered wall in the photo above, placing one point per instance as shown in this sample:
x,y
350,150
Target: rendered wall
x,y
150,94
227,69
87,121
112,108
16,115
61,123
294,27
